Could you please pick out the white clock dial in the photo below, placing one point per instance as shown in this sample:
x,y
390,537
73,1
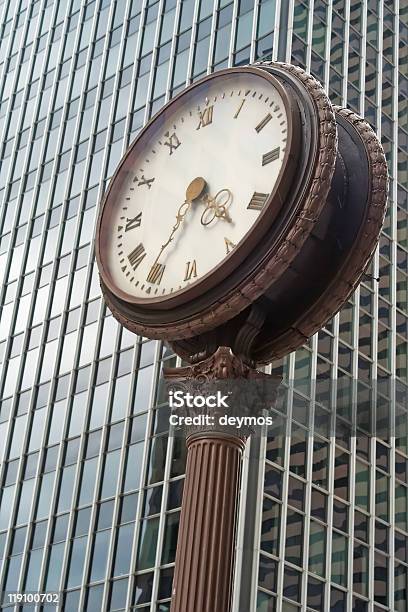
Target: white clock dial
x,y
194,185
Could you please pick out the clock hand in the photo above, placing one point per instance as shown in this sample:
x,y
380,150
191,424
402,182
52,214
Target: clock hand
x,y
217,209
193,191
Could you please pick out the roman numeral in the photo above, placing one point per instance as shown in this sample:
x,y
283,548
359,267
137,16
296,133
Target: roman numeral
x,y
229,245
172,142
262,123
239,109
205,117
271,156
144,181
191,270
133,223
258,201
136,256
156,273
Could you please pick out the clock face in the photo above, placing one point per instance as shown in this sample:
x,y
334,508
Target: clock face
x,y
203,174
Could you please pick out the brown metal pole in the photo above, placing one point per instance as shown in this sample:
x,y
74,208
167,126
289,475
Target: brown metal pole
x,y
206,545
205,555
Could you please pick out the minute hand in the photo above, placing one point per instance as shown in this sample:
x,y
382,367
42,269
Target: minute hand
x,y
193,191
181,213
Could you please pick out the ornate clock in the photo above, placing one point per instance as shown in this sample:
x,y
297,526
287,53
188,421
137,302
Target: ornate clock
x,y
243,215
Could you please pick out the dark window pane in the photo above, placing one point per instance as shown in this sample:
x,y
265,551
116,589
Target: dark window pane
x,y
341,474
381,579
268,573
400,587
165,583
381,536
270,527
320,462
317,548
362,495
361,526
296,493
152,501
292,584
170,538
147,544
401,546
265,603
360,570
298,454
273,481
339,559
318,507
338,600
143,588
315,593
340,515
294,537
175,494
381,496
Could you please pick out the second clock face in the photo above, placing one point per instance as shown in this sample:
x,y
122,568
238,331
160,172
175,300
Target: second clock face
x,y
194,184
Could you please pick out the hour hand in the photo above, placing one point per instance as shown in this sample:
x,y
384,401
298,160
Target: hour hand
x,y
217,207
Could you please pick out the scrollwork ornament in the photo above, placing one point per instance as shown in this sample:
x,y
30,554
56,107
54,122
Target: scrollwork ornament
x,y
248,392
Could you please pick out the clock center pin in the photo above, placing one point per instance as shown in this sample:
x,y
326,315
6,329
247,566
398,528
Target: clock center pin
x,y
195,188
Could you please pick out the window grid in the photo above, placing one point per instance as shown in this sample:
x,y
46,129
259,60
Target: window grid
x,y
128,60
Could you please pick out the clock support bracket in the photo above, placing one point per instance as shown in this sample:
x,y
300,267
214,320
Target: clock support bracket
x,y
239,335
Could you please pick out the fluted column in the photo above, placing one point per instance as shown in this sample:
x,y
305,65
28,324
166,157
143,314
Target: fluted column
x,y
205,551
206,542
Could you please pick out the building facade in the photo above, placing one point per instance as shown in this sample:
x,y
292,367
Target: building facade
x,y
91,482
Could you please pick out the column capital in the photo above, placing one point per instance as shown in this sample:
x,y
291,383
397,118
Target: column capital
x,y
240,393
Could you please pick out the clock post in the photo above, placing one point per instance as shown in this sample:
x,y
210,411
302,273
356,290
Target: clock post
x,y
206,542
236,267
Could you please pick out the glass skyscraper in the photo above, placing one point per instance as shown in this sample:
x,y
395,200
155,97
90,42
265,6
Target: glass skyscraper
x,y
91,482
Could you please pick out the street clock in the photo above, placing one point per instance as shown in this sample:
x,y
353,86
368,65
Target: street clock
x,y
237,224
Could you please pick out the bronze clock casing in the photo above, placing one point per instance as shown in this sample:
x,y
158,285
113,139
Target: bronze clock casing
x,y
300,272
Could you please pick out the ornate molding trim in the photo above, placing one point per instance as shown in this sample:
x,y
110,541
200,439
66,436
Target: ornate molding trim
x,y
222,365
